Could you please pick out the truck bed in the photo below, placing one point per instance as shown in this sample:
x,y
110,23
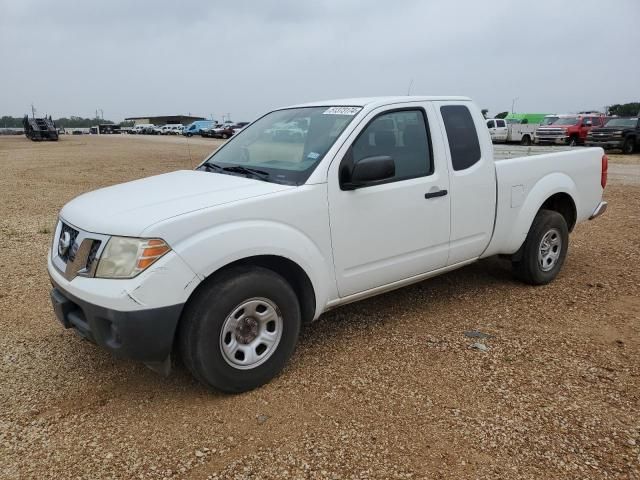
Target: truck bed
x,y
526,176
505,152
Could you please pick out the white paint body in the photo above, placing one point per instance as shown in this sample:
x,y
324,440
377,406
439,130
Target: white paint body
x,y
351,244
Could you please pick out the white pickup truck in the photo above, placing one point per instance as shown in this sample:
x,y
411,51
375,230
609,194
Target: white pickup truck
x,y
224,263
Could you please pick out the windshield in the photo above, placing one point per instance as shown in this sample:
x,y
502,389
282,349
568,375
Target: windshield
x,y
549,120
285,145
567,121
622,122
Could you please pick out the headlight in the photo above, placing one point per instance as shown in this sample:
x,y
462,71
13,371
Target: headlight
x,y
125,257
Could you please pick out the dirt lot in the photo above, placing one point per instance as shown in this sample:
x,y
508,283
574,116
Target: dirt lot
x,y
386,388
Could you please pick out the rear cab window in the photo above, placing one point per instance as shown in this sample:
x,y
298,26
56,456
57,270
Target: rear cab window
x,y
461,135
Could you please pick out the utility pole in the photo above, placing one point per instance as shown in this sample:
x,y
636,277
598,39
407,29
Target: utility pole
x,y
513,104
33,111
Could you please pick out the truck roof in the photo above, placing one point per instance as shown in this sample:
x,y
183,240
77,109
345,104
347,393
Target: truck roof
x,y
377,101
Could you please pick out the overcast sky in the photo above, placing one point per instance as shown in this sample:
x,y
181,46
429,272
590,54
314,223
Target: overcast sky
x,y
134,58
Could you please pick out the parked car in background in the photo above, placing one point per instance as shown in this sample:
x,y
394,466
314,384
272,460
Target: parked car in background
x,y
196,128
141,128
176,129
313,206
569,130
620,133
209,131
511,130
239,126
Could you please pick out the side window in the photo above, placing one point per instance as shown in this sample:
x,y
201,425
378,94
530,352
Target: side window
x,y
490,124
462,135
500,123
402,135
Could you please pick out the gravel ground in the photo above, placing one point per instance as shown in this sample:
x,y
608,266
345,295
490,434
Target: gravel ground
x,y
386,388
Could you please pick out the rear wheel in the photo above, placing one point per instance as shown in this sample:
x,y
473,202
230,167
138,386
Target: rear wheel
x,y
544,250
628,146
526,140
240,330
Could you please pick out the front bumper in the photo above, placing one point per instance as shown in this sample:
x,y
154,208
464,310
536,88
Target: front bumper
x,y
562,140
604,143
144,335
133,318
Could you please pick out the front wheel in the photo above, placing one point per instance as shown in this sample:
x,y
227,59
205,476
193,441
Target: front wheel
x,y
240,329
544,250
526,140
627,147
225,136
573,141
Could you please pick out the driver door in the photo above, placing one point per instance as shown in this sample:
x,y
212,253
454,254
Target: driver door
x,y
390,231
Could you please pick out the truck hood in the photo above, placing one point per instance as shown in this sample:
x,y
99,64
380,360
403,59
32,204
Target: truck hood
x,y
129,208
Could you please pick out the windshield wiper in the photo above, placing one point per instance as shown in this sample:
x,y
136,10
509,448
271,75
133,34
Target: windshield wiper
x,y
210,166
247,171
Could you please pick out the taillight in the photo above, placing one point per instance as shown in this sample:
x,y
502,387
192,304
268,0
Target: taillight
x,y
605,168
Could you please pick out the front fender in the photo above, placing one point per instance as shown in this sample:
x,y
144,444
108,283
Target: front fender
x,y
211,249
517,209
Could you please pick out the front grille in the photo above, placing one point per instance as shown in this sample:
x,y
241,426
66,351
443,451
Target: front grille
x,y
70,252
550,133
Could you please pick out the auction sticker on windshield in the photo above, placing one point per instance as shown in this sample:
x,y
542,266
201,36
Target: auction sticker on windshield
x,y
342,110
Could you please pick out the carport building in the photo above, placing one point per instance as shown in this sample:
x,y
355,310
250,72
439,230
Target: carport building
x,y
165,119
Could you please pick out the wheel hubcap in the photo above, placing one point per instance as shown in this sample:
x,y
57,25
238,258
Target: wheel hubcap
x,y
251,333
550,249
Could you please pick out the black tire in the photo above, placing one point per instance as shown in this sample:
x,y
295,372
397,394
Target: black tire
x,y
189,135
573,141
526,140
225,136
528,267
200,332
628,146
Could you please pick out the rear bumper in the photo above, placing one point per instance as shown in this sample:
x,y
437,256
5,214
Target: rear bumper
x,y
600,209
144,335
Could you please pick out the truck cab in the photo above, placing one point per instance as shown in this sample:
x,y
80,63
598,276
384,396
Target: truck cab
x,y
498,129
620,133
569,130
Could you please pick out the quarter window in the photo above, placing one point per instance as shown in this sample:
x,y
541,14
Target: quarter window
x,y
462,136
500,123
402,135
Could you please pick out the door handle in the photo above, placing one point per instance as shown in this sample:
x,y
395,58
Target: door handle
x,y
438,193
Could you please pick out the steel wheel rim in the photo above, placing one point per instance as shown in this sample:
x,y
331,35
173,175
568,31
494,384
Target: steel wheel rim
x,y
251,333
549,250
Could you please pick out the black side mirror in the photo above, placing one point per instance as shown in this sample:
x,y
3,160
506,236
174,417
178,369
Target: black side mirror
x,y
369,171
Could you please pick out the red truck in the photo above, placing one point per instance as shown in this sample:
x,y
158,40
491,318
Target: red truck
x,y
569,129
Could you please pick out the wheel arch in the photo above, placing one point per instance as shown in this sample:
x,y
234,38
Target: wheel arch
x,y
564,204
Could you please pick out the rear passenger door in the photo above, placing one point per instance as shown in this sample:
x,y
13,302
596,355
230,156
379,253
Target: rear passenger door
x,y
389,232
472,180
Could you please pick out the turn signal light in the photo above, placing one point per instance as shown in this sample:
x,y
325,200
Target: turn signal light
x,y
153,251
